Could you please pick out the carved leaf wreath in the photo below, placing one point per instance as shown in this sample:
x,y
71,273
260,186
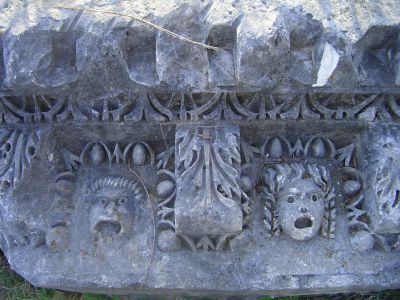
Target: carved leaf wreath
x,y
271,220
329,222
17,149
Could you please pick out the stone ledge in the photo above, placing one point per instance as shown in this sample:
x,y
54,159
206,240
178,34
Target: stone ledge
x,y
262,46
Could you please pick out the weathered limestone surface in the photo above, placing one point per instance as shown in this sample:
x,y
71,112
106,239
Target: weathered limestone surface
x,y
264,44
201,147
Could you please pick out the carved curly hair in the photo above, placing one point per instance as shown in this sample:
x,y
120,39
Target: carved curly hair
x,y
278,176
116,182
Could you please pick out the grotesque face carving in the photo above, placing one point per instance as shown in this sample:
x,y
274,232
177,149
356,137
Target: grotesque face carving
x,y
113,210
298,194
301,209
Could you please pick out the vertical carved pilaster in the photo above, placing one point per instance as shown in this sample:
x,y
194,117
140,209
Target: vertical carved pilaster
x,y
381,165
207,168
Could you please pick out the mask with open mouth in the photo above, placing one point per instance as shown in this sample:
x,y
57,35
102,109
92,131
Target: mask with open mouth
x,y
113,210
301,209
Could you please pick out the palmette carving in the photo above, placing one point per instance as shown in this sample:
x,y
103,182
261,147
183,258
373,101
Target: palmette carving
x,y
207,180
172,107
101,206
17,150
282,159
305,168
208,202
194,154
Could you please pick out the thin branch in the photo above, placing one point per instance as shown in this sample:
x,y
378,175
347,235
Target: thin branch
x,y
154,223
148,23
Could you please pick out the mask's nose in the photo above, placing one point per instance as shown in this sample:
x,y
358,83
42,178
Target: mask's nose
x,y
110,206
303,209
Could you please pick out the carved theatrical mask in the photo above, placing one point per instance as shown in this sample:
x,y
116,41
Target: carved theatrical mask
x,y
301,209
113,211
299,201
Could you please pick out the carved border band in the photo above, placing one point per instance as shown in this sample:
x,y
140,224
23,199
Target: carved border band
x,y
174,107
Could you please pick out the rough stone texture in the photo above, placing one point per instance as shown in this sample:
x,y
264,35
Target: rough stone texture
x,y
264,44
136,162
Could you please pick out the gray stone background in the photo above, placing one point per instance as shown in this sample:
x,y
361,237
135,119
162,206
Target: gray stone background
x,y
85,57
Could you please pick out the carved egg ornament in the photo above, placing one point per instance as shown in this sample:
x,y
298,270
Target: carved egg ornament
x,y
275,149
165,188
97,154
351,187
64,186
362,241
169,241
318,148
246,183
139,155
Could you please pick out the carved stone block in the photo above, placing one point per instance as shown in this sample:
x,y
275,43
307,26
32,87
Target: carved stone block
x,y
207,168
201,147
381,164
130,185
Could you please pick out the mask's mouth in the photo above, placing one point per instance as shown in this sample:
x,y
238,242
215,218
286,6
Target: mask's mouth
x,y
108,227
303,223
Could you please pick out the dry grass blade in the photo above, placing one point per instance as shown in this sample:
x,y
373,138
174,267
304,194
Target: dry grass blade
x,y
153,220
148,23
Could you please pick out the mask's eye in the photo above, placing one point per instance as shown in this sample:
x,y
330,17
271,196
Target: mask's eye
x,y
314,198
103,201
290,199
120,201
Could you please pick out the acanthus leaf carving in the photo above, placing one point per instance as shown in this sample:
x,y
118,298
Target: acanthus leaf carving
x,y
207,162
207,174
18,148
209,165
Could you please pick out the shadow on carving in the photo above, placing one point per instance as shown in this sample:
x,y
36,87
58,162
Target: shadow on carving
x,y
305,43
138,47
221,63
59,65
377,58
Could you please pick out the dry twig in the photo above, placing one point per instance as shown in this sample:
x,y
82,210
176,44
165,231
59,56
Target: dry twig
x,y
153,220
148,23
